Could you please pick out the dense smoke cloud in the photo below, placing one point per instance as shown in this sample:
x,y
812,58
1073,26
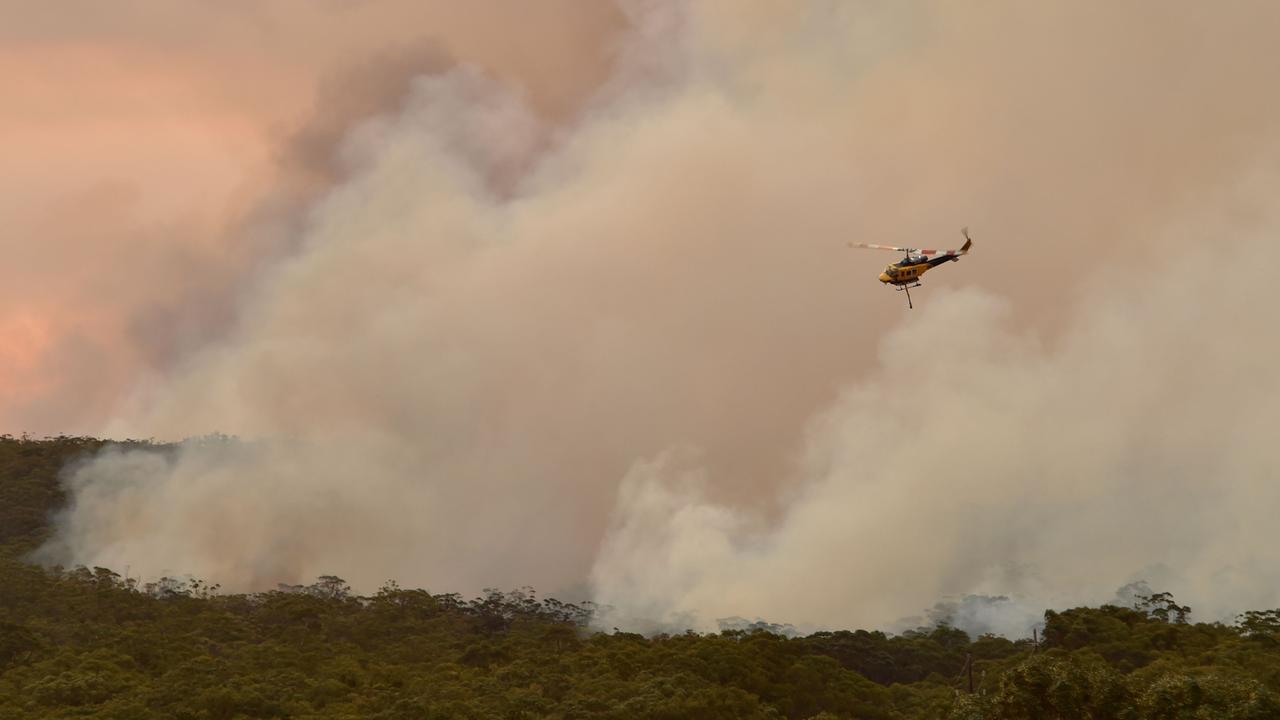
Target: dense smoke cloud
x,y
159,155
1134,447
630,349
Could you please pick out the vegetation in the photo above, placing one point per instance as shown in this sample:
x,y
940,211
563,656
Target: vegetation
x,y
86,642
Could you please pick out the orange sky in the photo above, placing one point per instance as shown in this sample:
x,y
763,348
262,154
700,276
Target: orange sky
x,y
139,137
105,146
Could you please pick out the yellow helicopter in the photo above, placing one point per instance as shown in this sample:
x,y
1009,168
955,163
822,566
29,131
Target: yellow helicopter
x,y
905,274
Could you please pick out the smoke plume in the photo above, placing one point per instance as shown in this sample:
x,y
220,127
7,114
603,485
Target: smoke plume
x,y
160,156
622,349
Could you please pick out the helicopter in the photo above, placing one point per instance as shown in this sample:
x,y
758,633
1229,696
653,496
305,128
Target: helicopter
x,y
905,274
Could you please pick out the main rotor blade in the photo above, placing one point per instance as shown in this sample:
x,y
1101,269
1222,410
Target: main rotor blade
x,y
925,252
912,251
942,253
881,247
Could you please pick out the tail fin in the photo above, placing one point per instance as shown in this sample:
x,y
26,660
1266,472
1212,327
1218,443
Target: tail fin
x,y
968,241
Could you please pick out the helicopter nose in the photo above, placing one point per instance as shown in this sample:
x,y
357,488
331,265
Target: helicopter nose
x,y
884,278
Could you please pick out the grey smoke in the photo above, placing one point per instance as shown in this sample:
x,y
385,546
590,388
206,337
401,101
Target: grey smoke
x,y
631,351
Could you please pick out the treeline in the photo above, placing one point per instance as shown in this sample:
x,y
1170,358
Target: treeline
x,y
90,643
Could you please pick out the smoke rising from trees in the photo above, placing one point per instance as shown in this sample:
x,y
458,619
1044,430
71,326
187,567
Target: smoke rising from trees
x,y
625,346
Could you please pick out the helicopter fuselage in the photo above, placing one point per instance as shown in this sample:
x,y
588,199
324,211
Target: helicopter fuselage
x,y
909,270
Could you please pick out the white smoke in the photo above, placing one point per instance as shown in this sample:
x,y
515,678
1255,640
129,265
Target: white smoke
x,y
497,338
977,459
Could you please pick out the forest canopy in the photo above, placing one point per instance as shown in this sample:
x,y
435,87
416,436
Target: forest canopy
x,y
94,643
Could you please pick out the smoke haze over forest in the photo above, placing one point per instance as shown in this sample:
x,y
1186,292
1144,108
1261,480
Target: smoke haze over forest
x,y
558,295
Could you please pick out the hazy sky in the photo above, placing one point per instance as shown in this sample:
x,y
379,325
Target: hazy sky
x,y
154,150
558,294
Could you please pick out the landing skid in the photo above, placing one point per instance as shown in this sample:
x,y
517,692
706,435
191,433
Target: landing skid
x,y
907,290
